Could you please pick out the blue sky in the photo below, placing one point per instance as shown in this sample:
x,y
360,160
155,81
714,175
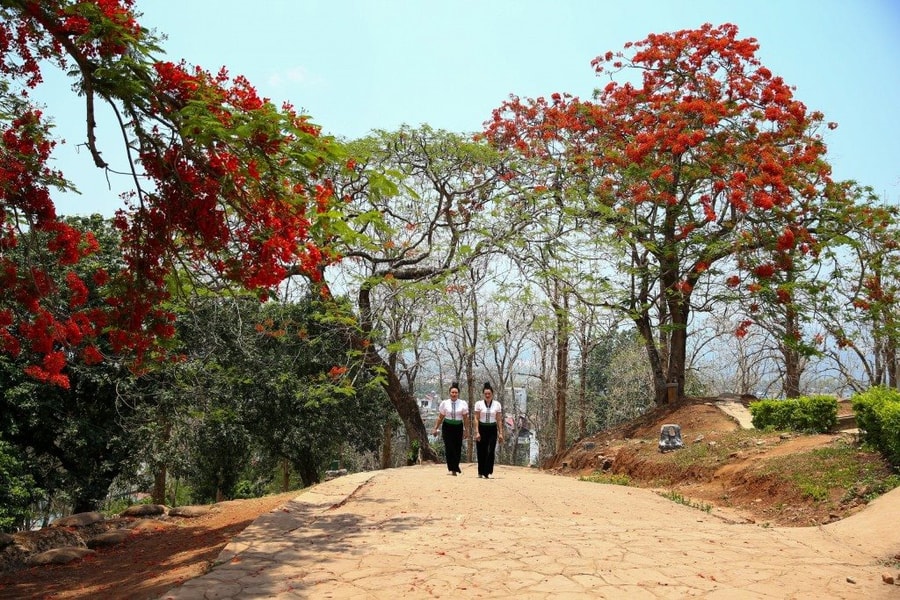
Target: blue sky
x,y
358,65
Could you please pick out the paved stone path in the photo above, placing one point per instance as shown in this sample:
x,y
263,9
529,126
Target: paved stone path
x,y
737,411
416,532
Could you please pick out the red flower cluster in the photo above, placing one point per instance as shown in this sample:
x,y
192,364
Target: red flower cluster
x,y
235,189
764,271
337,372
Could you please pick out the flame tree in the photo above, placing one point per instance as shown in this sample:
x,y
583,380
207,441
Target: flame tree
x,y
227,187
674,176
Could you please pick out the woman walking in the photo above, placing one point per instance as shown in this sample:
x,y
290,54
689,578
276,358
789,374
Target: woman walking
x,y
453,418
488,429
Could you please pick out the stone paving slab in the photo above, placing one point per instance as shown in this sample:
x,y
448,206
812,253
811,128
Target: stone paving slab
x,y
416,532
737,411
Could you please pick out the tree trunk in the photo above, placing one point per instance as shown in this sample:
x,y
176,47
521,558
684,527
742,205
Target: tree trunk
x,y
174,497
792,371
159,485
514,460
642,322
894,370
582,395
668,363
562,370
387,445
308,472
402,399
677,358
888,350
285,475
159,478
472,392
404,403
470,335
793,368
406,407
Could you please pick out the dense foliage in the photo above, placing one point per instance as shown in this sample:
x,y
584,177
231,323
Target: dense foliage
x,y
17,489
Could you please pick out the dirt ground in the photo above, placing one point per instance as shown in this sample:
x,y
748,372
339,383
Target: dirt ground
x,y
738,481
148,564
154,560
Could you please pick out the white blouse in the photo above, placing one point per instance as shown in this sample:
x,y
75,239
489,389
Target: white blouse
x,y
487,414
454,409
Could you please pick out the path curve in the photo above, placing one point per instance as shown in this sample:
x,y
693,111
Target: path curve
x,y
416,532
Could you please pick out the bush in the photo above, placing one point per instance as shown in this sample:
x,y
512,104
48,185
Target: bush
x,y
816,414
809,414
878,416
17,490
763,413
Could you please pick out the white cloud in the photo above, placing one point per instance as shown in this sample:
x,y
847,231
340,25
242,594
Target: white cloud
x,y
294,76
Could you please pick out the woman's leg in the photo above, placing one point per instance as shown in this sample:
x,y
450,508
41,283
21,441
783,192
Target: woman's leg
x,y
489,440
480,454
452,445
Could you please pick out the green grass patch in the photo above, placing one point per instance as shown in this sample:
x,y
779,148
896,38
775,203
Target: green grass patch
x,y
607,478
818,472
679,499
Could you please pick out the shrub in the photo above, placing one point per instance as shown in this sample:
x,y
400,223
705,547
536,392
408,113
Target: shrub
x,y
809,414
17,490
878,416
816,414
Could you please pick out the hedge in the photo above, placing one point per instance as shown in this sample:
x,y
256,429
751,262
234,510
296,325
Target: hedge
x,y
878,417
809,414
